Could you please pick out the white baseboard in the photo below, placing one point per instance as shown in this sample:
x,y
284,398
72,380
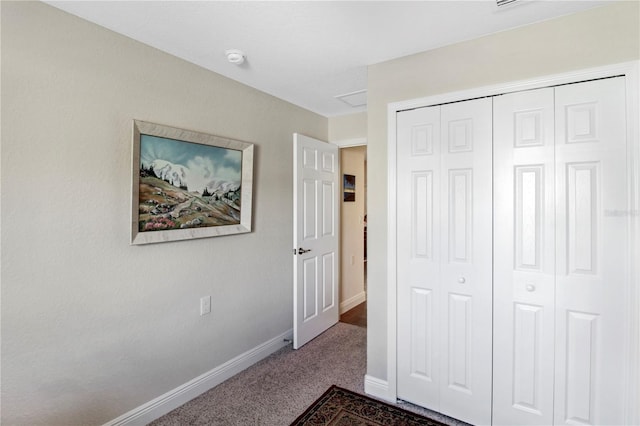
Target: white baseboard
x,y
352,302
171,400
377,387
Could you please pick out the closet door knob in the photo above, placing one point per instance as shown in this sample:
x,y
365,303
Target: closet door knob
x,y
461,280
531,287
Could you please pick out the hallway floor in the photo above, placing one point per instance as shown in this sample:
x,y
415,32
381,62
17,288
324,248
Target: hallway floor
x,y
356,316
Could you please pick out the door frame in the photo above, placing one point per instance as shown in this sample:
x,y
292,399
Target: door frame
x,y
630,70
342,144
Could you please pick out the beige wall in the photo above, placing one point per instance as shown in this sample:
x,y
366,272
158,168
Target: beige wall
x,y
348,127
91,326
601,36
352,162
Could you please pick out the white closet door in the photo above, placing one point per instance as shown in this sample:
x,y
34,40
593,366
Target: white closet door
x,y
524,265
418,251
466,259
561,252
591,252
444,259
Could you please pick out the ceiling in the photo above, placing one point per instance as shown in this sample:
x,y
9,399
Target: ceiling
x,y
309,52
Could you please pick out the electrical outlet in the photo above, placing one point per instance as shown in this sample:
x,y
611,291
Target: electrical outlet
x,y
353,259
205,305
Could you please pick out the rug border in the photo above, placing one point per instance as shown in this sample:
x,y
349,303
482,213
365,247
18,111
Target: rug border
x,y
332,387
313,404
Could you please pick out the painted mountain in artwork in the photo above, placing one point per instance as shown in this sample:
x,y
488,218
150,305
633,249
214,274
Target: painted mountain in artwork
x,y
179,175
187,185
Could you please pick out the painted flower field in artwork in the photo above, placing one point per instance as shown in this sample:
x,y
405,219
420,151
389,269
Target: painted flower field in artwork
x,y
187,185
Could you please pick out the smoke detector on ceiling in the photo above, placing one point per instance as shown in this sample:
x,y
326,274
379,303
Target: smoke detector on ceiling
x,y
235,56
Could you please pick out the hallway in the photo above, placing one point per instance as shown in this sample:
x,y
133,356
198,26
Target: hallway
x,y
356,316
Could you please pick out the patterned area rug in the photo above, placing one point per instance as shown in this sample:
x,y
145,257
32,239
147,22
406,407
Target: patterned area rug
x,y
340,407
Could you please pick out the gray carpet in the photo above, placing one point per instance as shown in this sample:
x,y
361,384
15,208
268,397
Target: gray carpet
x,y
276,390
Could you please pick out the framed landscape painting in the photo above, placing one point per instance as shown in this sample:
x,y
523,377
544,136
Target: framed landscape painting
x,y
349,188
188,184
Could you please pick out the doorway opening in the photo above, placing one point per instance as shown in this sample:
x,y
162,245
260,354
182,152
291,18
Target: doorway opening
x,y
353,232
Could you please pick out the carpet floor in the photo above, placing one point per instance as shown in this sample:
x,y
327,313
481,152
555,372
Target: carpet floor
x,y
278,389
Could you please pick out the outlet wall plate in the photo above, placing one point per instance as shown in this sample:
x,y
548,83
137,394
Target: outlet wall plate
x,y
205,305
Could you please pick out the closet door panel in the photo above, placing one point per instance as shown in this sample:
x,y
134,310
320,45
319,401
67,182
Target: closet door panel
x,y
419,256
591,187
465,247
524,264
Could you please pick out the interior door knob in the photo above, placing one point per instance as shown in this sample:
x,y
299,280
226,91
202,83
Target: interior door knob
x,y
530,287
462,280
301,250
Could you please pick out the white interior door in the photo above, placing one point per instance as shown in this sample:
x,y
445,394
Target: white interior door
x,y
592,246
316,227
561,255
418,256
524,253
466,243
444,259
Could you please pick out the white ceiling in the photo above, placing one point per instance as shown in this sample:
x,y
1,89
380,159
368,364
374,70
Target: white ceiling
x,y
309,52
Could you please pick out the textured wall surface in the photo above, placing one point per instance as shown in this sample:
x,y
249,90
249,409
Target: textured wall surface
x,y
348,127
600,36
91,326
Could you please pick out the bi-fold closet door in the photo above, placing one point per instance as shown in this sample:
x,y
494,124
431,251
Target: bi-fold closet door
x,y
511,309
561,255
444,258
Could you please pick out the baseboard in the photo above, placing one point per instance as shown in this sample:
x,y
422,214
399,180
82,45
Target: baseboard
x,y
352,302
171,400
377,387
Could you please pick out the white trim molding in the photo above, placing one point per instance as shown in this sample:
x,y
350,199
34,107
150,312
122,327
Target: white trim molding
x,y
378,388
348,143
631,389
352,302
392,285
173,399
633,346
